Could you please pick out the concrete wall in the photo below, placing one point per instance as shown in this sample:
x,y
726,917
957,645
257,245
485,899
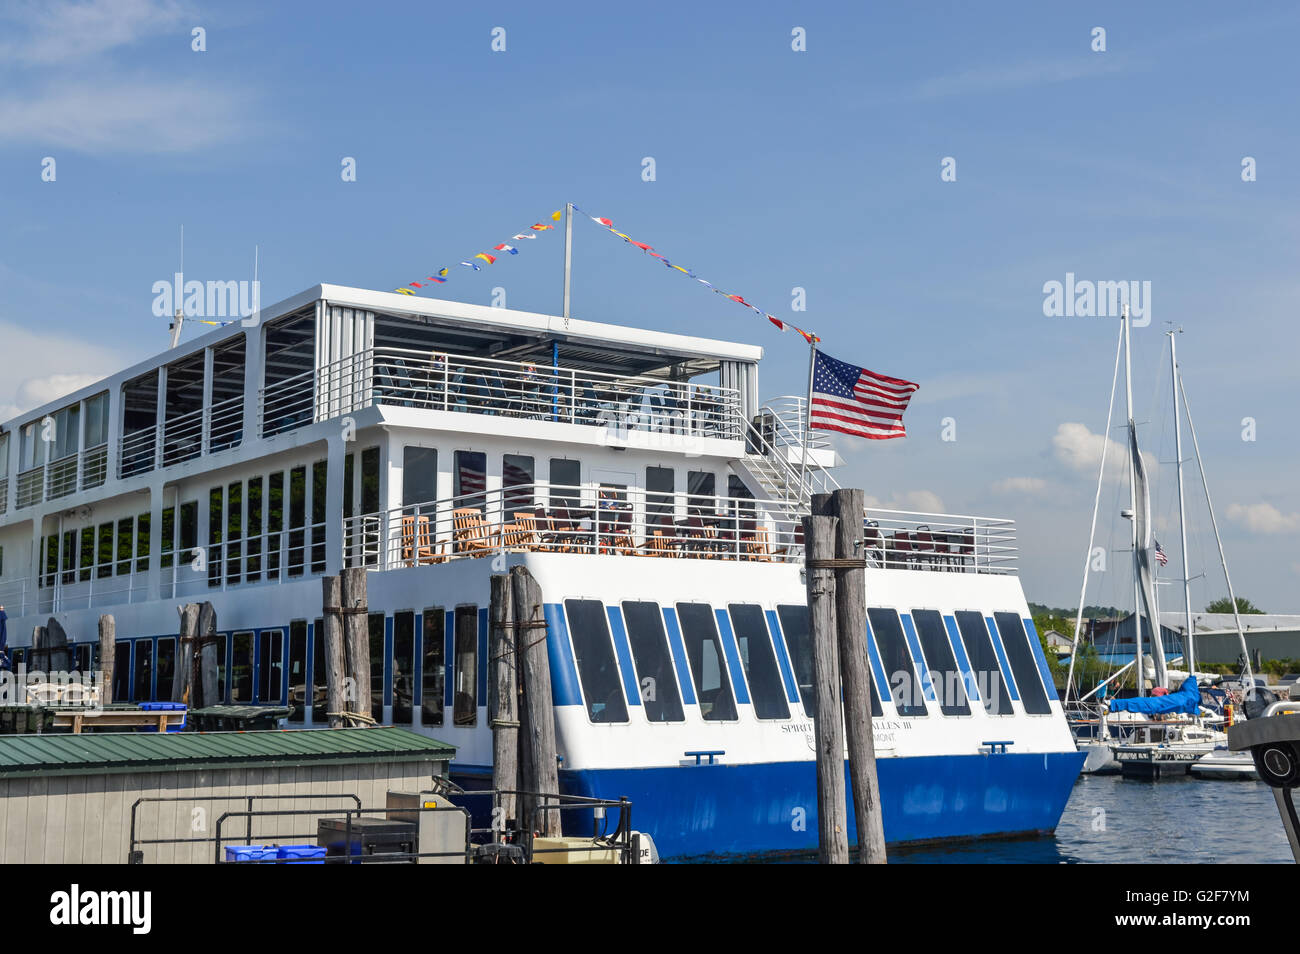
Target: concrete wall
x,y
86,819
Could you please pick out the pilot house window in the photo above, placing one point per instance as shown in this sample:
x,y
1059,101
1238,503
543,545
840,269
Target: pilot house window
x,y
594,653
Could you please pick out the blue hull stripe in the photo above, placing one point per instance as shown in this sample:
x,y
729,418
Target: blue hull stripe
x,y
927,684
877,667
782,657
733,657
954,637
1043,669
747,809
1002,658
564,674
624,653
679,655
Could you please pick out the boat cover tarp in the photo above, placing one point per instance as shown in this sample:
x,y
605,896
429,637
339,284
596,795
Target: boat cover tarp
x,y
1185,700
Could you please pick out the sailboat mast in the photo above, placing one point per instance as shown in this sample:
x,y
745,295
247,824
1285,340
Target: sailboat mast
x,y
1223,559
1138,667
1189,647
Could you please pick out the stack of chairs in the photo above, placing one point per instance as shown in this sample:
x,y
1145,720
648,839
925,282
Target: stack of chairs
x,y
418,547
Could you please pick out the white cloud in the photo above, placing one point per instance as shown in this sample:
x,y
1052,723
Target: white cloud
x,y
1263,518
1020,485
919,501
994,79
50,33
1080,449
45,360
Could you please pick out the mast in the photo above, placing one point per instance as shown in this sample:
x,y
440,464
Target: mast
x,y
1223,560
1138,667
1189,648
178,318
568,257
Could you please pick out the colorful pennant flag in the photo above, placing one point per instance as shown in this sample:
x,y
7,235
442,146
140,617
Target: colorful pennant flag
x,y
440,277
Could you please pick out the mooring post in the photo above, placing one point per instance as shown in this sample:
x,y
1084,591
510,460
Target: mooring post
x,y
538,770
356,626
335,670
828,735
208,654
503,699
107,656
849,508
183,675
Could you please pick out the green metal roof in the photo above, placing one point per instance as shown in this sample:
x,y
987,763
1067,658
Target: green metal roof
x,y
118,752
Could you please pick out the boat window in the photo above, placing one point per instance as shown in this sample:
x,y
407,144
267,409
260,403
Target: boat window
x,y
121,671
142,523
659,486
319,677
370,480
222,669
375,624
104,557
904,687
270,666
708,667
241,669
471,478
403,667
517,476
946,678
794,622
165,667
419,476
759,661
565,477
125,542
297,520
593,650
465,676
297,700
143,679
700,488
654,665
253,548
216,524
167,552
319,485
69,557
97,420
984,663
1023,665
274,523
434,674
234,531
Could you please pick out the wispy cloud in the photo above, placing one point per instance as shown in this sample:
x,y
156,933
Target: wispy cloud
x,y
1079,449
1263,518
49,34
1020,485
41,361
1004,77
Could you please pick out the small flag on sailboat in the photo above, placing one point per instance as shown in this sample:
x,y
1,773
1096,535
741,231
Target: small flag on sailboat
x,y
856,401
1160,554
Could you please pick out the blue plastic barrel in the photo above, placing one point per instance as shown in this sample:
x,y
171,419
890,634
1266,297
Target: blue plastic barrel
x,y
302,854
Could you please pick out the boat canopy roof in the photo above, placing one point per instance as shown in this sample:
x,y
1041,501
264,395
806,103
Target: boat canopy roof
x,y
1185,701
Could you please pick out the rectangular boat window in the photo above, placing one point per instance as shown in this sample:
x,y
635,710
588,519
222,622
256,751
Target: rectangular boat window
x,y
700,488
319,678
794,622
274,523
471,478
189,530
419,475
253,548
946,678
759,661
297,700
166,667
434,666
104,552
708,667
319,484
465,674
241,669
223,642
297,520
97,420
143,678
69,557
51,546
403,667
270,669
125,545
216,526
659,486
654,664
234,531
87,554
1024,667
984,662
593,651
376,624
370,480
518,473
142,535
121,671
904,686
565,478
167,551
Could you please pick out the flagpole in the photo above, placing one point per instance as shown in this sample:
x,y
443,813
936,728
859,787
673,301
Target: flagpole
x,y
807,422
568,257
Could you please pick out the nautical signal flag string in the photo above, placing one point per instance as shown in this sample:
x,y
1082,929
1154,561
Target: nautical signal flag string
x,y
608,226
490,257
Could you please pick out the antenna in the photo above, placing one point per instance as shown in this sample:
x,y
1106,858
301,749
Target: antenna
x,y
178,318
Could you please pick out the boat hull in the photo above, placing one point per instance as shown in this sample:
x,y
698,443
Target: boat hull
x,y
744,810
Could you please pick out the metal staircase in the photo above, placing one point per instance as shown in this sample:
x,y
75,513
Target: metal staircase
x,y
767,469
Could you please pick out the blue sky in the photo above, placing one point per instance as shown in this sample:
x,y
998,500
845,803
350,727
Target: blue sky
x,y
775,169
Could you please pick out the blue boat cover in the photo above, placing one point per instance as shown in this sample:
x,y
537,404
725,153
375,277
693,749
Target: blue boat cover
x,y
1185,700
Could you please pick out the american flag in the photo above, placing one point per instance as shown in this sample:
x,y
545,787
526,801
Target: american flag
x,y
856,401
1160,554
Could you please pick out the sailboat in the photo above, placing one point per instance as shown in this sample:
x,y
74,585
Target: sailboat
x,y
1149,735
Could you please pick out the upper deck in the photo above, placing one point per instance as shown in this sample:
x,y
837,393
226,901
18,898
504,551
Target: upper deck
x,y
332,352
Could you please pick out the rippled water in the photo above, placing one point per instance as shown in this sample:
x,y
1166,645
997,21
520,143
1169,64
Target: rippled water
x,y
1173,821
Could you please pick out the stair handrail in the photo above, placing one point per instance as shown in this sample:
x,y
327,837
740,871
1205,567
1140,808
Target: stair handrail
x,y
809,480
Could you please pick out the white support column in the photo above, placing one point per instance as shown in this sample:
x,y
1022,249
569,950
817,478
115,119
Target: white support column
x,y
336,451
254,379
153,576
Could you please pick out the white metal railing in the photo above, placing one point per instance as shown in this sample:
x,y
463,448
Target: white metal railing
x,y
635,522
30,487
4,494
61,476
94,466
791,411
767,444
137,452
183,436
226,424
447,382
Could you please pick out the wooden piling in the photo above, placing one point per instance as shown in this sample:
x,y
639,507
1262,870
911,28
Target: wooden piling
x,y
335,670
356,629
182,676
538,770
503,698
210,694
107,656
848,507
828,735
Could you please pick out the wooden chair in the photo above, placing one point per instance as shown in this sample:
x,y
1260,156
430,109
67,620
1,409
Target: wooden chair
x,y
472,533
759,545
522,533
417,542
659,545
